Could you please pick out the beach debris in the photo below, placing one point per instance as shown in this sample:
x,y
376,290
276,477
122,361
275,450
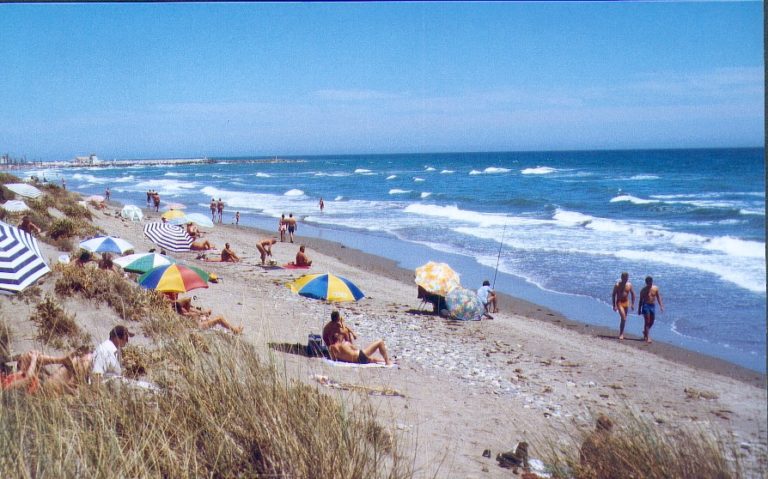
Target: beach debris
x,y
516,458
487,453
372,390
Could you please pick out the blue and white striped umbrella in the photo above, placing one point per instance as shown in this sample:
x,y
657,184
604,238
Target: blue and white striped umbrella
x,y
172,238
21,262
106,244
24,189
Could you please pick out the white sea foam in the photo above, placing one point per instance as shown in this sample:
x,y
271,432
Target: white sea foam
x,y
89,178
644,177
539,170
397,191
294,192
165,186
262,175
425,194
452,213
447,172
429,168
475,172
748,211
338,198
417,179
171,173
363,171
125,179
736,247
632,199
337,174
391,177
492,170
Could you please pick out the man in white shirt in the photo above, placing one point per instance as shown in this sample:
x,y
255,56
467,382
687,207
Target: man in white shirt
x,y
106,357
488,297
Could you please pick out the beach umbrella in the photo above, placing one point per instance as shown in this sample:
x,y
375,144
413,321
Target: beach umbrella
x,y
175,206
463,303
171,214
437,278
169,237
95,198
197,218
131,212
143,262
174,278
106,244
21,262
326,286
24,189
15,206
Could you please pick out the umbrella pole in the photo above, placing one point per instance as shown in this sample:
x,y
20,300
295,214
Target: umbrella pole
x,y
499,256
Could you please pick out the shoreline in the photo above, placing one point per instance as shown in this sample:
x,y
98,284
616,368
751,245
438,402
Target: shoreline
x,y
513,305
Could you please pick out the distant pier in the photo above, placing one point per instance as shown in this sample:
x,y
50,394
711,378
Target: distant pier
x,y
142,162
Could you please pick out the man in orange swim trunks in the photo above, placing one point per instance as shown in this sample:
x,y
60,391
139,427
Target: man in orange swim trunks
x,y
623,296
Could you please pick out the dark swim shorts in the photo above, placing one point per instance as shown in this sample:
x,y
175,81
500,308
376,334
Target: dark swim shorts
x,y
649,308
362,358
291,229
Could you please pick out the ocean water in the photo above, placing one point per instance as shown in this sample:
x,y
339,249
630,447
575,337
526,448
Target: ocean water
x,y
560,226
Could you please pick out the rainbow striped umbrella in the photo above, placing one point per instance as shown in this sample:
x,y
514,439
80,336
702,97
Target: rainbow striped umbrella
x,y
326,286
174,278
143,262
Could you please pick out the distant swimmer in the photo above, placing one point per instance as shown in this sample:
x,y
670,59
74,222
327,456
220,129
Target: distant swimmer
x,y
214,205
647,307
623,296
322,205
237,218
220,209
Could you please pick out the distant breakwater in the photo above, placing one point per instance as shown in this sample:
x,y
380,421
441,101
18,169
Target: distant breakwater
x,y
144,162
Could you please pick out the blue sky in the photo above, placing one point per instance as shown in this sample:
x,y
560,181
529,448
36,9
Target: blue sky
x,y
177,80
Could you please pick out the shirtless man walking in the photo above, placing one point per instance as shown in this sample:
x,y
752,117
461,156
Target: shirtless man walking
x,y
647,307
623,296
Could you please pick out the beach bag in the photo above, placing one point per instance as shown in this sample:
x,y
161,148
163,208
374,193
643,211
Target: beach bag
x,y
316,347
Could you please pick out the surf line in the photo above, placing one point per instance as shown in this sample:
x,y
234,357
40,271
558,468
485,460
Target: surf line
x,y
501,245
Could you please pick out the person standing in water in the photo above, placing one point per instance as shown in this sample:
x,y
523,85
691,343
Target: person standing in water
x,y
647,307
322,205
623,297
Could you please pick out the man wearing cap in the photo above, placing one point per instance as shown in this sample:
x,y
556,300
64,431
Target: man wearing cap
x,y
106,357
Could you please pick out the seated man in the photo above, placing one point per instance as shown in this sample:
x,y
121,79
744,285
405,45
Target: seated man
x,y
343,350
227,256
201,245
73,370
336,325
301,258
106,262
488,297
265,248
28,226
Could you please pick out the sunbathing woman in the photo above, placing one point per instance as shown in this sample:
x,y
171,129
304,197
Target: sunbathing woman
x,y
203,317
73,370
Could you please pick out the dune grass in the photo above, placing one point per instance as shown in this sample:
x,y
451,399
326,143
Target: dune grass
x,y
57,328
638,448
221,412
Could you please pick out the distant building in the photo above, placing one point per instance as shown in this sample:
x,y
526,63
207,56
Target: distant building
x,y
87,160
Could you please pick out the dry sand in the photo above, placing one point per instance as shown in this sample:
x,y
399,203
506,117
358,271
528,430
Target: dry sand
x,y
463,387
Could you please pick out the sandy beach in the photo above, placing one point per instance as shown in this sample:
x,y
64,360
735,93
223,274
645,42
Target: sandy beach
x,y
459,387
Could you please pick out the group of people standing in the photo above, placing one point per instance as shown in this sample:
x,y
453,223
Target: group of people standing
x,y
287,225
623,300
153,199
217,208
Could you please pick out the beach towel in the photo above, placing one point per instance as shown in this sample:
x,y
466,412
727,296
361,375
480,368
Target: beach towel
x,y
295,266
342,364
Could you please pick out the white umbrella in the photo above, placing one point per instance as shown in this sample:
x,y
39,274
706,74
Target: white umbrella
x,y
95,198
24,189
131,212
196,218
21,262
15,206
106,244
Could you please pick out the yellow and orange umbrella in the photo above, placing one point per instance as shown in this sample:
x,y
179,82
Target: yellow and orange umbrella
x,y
437,278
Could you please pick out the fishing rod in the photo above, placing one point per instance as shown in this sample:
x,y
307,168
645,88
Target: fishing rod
x,y
498,258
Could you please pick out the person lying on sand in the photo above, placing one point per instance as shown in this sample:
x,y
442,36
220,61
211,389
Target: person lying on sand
x,y
227,256
301,258
73,370
28,226
265,248
202,246
337,325
184,308
343,350
192,230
